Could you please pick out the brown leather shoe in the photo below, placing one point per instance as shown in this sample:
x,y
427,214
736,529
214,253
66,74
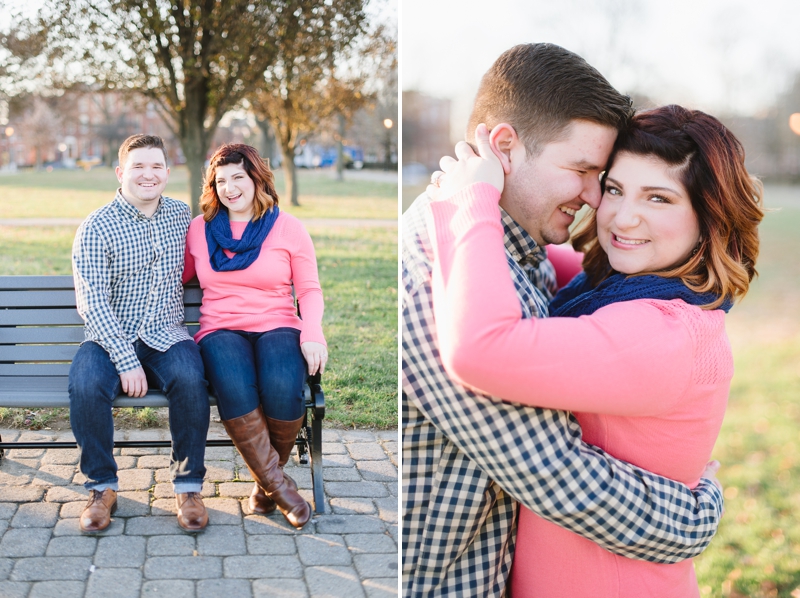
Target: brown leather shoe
x,y
192,514
97,514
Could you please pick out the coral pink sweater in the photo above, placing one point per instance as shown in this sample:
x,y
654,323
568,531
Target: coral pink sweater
x,y
648,381
259,298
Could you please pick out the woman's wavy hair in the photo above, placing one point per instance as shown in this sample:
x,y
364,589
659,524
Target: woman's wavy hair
x,y
709,162
255,167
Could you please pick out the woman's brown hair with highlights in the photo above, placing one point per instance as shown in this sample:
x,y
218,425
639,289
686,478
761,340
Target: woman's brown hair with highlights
x,y
255,167
709,161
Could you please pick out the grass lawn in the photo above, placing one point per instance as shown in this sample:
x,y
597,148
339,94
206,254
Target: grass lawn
x,y
73,194
358,273
757,550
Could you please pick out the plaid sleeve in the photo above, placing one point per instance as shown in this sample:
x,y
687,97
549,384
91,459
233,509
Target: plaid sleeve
x,y
538,457
92,291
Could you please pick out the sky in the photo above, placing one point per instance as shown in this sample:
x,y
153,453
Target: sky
x,y
720,56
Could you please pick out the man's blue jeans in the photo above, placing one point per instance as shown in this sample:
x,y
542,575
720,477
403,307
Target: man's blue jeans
x,y
93,385
248,369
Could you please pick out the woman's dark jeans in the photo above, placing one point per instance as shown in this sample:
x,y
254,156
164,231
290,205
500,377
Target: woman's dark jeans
x,y
93,385
248,369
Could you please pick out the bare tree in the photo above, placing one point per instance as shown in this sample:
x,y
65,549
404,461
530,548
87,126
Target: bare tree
x,y
39,127
301,89
195,59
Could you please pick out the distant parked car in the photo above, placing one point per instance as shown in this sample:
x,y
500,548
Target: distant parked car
x,y
88,162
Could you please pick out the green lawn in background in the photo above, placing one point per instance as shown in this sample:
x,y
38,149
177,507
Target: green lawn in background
x,y
756,552
73,194
357,267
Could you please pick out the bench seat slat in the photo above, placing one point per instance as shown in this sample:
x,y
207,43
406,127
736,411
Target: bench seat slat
x,y
39,317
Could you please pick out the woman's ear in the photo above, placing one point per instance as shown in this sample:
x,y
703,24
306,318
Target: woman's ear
x,y
503,138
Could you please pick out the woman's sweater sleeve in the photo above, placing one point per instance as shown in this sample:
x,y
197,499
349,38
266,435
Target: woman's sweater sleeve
x,y
306,285
625,359
189,270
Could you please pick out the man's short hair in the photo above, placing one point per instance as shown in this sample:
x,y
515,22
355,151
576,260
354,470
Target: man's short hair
x,y
138,141
539,89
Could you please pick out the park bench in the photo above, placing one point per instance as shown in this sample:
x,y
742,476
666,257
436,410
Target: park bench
x,y
40,331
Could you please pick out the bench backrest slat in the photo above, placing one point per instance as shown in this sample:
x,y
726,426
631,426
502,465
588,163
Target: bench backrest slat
x,y
40,329
37,352
34,370
39,317
25,283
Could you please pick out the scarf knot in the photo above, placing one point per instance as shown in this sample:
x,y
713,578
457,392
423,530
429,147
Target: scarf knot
x,y
246,250
578,298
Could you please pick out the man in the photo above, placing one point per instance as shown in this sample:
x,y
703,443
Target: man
x,y
467,459
127,261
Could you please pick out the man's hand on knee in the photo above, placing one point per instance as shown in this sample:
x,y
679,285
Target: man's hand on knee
x,y
134,382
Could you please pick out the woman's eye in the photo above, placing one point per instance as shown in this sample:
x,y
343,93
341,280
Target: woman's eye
x,y
659,199
613,191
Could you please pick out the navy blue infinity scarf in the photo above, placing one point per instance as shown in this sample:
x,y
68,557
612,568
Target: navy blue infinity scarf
x,y
246,249
578,298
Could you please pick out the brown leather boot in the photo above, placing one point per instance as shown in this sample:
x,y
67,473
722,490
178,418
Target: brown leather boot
x,y
192,514
282,436
97,514
250,435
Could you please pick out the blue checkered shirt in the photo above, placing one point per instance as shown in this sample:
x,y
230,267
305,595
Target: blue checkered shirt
x,y
468,460
127,271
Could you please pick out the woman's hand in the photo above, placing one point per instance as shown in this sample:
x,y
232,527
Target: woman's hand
x,y
710,473
316,356
470,168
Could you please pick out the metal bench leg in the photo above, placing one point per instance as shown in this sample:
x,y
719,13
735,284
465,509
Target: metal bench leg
x,y
316,465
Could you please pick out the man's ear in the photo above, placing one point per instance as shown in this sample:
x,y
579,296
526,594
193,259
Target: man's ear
x,y
503,138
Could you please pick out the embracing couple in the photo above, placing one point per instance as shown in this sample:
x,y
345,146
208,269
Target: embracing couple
x,y
556,442
130,259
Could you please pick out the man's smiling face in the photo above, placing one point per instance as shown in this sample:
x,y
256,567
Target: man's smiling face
x,y
543,193
143,177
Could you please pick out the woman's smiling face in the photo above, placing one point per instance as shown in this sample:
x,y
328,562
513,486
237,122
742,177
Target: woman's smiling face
x,y
645,222
236,191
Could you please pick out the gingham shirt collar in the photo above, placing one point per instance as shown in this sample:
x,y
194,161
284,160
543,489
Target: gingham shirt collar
x,y
465,456
130,211
519,244
127,269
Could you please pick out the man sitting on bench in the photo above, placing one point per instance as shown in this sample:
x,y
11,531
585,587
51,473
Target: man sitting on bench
x,y
127,261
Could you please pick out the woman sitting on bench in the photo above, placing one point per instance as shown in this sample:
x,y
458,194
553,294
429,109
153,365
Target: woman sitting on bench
x,y
257,352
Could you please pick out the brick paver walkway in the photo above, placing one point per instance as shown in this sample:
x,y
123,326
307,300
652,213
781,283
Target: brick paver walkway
x,y
349,551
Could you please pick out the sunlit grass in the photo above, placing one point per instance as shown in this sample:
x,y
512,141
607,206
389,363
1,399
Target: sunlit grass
x,y
757,550
75,193
358,274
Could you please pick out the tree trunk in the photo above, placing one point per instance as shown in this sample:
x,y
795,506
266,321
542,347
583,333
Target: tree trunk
x,y
194,144
290,172
267,141
289,169
340,149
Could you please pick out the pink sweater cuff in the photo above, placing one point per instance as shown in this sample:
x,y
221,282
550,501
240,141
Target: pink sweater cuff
x,y
457,215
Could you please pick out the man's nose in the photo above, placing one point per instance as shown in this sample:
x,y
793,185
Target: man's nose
x,y
591,194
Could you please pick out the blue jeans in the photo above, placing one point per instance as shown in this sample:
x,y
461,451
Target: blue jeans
x,y
248,369
93,385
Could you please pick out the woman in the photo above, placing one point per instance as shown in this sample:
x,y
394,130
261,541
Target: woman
x,y
247,254
640,354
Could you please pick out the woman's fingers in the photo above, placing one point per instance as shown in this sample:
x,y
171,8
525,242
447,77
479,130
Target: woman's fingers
x,y
316,355
464,151
446,163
